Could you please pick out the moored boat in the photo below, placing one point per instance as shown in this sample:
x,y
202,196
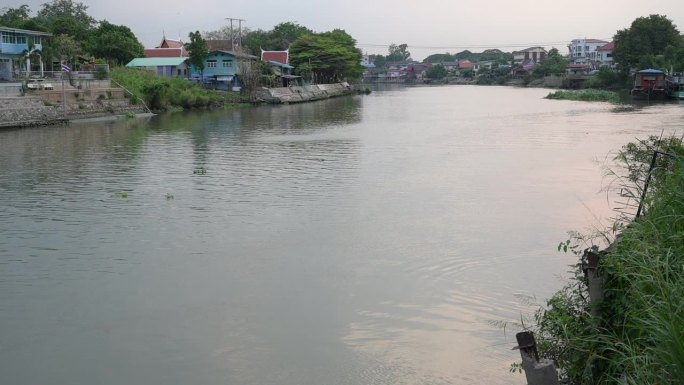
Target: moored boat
x,y
649,84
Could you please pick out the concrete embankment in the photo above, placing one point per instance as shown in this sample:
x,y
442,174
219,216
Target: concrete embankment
x,y
299,94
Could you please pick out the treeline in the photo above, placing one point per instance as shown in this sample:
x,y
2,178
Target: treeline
x,y
76,36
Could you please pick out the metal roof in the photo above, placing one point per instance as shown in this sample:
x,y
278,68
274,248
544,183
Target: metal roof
x,y
651,71
25,31
156,61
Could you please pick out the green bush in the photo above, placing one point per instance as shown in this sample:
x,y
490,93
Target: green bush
x,y
589,95
166,93
637,336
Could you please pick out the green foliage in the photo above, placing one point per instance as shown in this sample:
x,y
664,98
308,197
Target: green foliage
x,y
115,43
436,72
646,38
607,78
197,49
65,17
638,335
17,17
398,53
554,64
379,61
440,58
166,93
587,95
278,39
332,56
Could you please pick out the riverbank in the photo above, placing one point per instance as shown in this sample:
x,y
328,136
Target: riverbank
x,y
624,323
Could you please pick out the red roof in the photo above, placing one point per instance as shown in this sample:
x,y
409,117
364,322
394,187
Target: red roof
x,y
279,56
465,64
607,47
163,52
168,43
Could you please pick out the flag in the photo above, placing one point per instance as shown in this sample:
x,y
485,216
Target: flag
x,y
66,68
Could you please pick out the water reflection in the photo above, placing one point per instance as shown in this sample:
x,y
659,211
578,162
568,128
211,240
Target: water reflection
x,y
355,240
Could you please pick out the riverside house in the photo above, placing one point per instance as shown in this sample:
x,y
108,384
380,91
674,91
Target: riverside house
x,y
20,51
222,69
162,66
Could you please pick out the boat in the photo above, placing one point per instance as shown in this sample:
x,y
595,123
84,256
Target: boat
x,y
675,83
649,84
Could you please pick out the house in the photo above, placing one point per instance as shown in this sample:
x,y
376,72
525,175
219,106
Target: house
x,y
488,64
535,54
221,69
584,51
604,55
278,56
464,65
167,48
15,44
162,66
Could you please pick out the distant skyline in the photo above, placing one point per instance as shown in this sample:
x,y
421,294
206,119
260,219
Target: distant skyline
x,y
427,27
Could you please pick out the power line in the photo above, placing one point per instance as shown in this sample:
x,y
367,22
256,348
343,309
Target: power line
x,y
469,46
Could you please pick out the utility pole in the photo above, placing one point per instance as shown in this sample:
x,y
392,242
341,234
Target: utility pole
x,y
232,36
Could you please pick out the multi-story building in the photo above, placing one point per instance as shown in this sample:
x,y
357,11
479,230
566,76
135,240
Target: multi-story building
x,y
17,48
535,55
585,51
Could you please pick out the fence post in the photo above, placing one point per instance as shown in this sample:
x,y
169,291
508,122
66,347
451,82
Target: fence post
x,y
537,372
594,280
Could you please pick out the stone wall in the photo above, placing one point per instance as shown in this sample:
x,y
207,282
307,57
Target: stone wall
x,y
27,111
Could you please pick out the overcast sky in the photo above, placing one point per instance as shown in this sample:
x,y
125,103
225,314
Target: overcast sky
x,y
427,26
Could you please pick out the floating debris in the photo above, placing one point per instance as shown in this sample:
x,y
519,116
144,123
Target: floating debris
x,y
200,171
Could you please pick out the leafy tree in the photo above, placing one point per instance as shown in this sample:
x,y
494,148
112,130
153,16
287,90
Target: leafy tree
x,y
643,40
554,64
116,43
332,56
68,18
197,50
64,48
437,71
285,34
465,55
379,61
255,41
398,53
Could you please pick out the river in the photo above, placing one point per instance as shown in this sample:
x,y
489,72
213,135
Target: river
x,y
361,240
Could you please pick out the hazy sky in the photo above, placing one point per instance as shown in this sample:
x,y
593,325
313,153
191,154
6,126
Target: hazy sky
x,y
427,26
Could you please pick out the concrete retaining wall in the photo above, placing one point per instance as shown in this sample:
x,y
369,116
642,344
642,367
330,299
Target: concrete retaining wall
x,y
298,94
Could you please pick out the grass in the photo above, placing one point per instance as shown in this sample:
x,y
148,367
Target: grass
x,y
167,94
637,336
588,95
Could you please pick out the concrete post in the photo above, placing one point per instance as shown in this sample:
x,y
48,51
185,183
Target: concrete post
x,y
594,280
537,372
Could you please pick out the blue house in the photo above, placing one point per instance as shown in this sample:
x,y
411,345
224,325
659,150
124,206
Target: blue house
x,y
222,70
18,45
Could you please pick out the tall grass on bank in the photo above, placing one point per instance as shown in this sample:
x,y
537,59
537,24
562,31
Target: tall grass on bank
x,y
167,93
637,336
588,95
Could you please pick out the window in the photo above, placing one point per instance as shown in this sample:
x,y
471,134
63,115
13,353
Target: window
x,y
227,63
211,63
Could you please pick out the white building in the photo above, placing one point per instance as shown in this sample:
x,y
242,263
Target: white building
x,y
605,55
584,51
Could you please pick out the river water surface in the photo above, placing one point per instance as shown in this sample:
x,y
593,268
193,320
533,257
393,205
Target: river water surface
x,y
360,240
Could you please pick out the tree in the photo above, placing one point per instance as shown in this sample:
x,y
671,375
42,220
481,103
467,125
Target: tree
x,y
398,53
64,48
439,58
332,56
646,38
379,61
277,39
68,18
197,50
554,64
115,43
436,72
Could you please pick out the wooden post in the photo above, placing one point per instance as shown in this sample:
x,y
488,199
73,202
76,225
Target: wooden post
x,y
537,372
